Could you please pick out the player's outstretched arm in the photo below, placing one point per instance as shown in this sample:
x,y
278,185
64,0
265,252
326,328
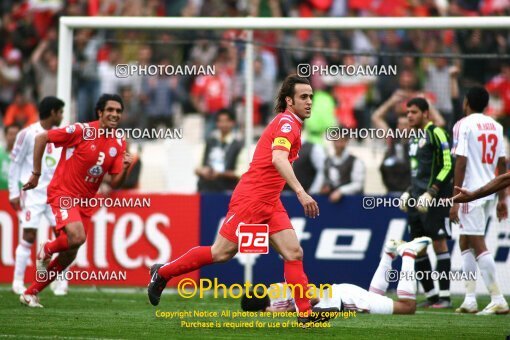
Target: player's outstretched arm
x,y
501,208
493,186
281,163
39,145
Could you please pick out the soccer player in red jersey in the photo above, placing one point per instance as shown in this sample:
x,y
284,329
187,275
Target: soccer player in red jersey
x,y
256,200
88,153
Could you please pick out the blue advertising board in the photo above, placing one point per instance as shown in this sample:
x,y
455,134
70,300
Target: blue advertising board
x,y
343,244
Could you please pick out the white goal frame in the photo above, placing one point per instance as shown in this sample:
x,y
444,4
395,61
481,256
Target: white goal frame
x,y
68,24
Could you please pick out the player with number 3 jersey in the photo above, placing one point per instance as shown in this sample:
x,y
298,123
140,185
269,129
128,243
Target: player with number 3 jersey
x,y
88,153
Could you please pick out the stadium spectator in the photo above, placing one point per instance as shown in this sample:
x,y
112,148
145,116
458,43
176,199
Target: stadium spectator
x,y
309,167
85,74
210,94
395,168
109,82
45,62
220,167
132,116
499,86
158,99
10,133
393,108
21,112
344,173
323,116
10,76
437,83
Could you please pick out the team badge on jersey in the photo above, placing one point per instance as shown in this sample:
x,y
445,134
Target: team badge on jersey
x,y
422,143
70,128
92,147
96,171
286,128
112,152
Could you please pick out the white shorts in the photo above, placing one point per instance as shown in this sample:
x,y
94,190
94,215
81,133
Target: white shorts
x,y
474,216
30,216
357,299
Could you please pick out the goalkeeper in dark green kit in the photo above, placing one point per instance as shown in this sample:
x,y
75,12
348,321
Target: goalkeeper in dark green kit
x,y
426,201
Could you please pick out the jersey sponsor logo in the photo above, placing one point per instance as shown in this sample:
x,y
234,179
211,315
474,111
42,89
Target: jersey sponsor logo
x,y
282,141
112,152
50,161
286,128
70,128
95,171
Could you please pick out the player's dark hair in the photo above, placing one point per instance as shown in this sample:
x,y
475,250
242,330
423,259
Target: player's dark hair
x,y
254,303
419,102
227,113
48,104
105,97
477,98
288,90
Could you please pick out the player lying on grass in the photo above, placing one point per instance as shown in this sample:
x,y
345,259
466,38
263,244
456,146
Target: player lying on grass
x,y
89,155
349,297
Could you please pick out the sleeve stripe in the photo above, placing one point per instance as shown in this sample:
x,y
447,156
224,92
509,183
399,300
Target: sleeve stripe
x,y
285,118
447,158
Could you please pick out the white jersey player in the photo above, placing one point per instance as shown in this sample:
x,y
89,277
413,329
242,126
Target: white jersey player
x,y
31,205
348,297
478,145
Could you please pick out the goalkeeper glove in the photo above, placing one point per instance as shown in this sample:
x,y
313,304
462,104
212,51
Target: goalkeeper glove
x,y
424,202
403,201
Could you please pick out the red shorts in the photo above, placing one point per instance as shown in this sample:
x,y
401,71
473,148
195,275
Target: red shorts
x,y
252,212
74,214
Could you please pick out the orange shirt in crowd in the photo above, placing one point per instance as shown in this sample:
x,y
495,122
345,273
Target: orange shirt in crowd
x,y
25,114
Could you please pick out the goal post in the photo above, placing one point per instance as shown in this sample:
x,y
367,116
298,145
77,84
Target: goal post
x,y
68,24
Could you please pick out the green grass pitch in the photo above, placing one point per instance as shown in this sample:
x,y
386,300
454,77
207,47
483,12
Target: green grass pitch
x,y
128,315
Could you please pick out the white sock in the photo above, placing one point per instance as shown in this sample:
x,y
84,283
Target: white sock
x,y
23,251
488,270
406,288
469,268
379,283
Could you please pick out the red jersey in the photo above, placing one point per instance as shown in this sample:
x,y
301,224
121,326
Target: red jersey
x,y
213,90
83,162
262,181
501,86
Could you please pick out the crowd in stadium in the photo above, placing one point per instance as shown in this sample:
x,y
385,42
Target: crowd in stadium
x,y
28,66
